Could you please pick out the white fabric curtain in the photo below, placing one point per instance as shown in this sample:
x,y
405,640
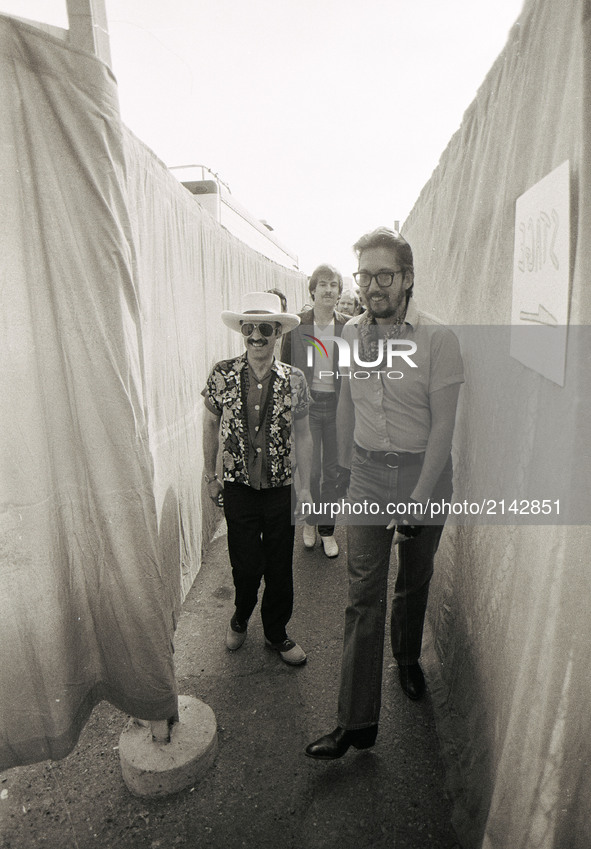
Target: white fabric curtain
x,y
189,269
510,607
112,284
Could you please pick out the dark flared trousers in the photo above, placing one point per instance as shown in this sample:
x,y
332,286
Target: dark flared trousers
x,y
369,551
260,545
323,474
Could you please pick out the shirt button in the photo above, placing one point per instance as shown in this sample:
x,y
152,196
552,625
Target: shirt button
x,y
259,386
258,450
256,427
256,406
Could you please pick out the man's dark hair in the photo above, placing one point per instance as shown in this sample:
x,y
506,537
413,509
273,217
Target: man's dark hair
x,y
281,297
319,272
383,237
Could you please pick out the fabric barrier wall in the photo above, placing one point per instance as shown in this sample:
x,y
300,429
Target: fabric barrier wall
x,y
189,269
112,284
510,605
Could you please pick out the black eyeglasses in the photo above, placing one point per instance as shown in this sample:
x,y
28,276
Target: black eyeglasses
x,y
383,278
265,329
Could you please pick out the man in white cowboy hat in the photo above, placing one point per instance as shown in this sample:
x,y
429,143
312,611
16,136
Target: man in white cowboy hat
x,y
258,407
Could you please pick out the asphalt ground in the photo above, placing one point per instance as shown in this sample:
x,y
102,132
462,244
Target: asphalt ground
x,y
262,792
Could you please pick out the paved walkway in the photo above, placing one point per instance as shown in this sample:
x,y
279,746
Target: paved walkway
x,y
262,792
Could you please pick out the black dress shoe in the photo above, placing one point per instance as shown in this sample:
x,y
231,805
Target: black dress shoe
x,y
412,680
335,745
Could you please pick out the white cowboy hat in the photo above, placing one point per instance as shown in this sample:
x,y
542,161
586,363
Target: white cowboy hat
x,y
259,307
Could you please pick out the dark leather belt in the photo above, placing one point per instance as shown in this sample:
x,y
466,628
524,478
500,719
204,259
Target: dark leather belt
x,y
322,396
392,459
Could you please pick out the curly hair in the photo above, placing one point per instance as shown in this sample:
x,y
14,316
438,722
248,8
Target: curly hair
x,y
383,237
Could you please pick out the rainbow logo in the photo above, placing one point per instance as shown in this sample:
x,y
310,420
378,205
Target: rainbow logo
x,y
316,343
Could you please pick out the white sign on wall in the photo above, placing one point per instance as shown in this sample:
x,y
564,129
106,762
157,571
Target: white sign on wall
x,y
541,270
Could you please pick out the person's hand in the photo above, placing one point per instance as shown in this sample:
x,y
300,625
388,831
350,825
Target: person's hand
x,y
304,497
342,481
408,529
215,490
405,532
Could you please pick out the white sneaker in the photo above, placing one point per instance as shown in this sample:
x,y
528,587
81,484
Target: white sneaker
x,y
235,634
289,652
331,548
309,536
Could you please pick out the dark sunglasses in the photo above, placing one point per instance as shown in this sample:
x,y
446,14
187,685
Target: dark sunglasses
x,y
265,329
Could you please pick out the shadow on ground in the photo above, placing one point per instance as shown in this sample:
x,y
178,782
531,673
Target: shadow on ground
x,y
262,792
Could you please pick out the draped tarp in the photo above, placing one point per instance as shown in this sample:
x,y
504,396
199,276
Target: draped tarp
x,y
84,615
112,283
189,270
510,607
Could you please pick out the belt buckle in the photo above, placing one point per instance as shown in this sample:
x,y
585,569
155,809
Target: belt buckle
x,y
391,454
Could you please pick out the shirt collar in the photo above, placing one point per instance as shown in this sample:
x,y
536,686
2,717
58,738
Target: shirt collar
x,y
412,314
276,365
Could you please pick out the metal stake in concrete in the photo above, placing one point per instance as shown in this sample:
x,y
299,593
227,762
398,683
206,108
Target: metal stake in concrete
x,y
153,766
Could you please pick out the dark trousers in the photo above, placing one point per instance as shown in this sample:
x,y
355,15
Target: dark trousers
x,y
369,550
260,545
323,474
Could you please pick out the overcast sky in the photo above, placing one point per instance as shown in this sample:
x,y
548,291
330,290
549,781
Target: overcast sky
x,y
325,117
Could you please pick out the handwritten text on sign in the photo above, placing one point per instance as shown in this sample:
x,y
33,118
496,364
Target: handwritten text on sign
x,y
541,274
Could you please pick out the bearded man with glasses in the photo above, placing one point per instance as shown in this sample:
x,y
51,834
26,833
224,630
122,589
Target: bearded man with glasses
x,y
258,408
394,431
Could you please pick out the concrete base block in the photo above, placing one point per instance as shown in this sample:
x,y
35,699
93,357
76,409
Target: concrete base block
x,y
158,769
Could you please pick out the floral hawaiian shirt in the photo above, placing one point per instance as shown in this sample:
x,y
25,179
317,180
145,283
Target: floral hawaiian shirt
x,y
225,394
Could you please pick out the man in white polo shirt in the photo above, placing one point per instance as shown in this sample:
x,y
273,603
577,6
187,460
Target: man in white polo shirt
x,y
395,425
